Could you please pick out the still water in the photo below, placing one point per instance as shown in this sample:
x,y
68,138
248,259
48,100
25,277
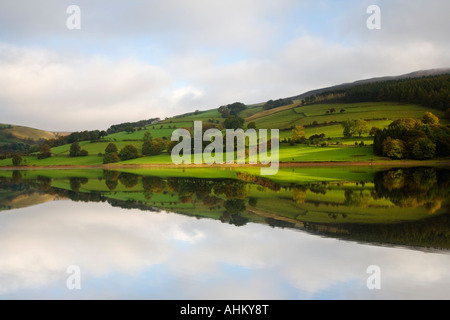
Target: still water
x,y
179,235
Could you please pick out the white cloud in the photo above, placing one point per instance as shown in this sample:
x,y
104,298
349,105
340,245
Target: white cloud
x,y
138,60
77,93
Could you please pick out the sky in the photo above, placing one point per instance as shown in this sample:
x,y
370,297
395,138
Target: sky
x,y
134,60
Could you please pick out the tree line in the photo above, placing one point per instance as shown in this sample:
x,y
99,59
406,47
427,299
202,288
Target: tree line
x,y
272,104
413,139
431,92
122,127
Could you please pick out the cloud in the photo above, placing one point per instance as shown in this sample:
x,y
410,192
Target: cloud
x,y
137,60
59,92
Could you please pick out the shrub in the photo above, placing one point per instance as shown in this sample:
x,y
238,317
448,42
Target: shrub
x,y
111,157
17,159
128,152
394,148
111,148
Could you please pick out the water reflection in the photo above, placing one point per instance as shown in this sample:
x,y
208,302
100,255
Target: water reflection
x,y
371,210
171,256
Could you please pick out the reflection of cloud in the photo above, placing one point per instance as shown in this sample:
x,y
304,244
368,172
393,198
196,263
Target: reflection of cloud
x,y
200,259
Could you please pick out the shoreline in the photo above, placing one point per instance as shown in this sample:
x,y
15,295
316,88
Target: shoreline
x,y
411,163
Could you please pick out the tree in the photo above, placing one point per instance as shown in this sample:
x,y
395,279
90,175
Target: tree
x,y
110,157
44,151
170,145
152,147
349,128
423,149
147,136
233,122
251,125
129,129
128,152
394,148
75,149
429,118
298,133
111,148
361,126
373,131
16,159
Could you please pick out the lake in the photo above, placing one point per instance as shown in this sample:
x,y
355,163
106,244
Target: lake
x,y
306,233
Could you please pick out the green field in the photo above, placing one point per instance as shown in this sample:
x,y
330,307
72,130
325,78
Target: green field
x,y
314,118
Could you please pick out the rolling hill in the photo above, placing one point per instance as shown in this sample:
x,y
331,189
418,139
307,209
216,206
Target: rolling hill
x,y
11,134
319,118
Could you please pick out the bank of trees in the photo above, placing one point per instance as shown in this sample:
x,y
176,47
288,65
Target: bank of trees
x,y
131,126
431,92
232,109
272,104
413,139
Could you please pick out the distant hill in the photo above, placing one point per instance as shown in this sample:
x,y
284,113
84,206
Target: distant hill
x,y
416,74
16,134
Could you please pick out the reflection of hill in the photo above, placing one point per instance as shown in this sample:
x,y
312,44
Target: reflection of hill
x,y
15,195
364,211
433,232
28,200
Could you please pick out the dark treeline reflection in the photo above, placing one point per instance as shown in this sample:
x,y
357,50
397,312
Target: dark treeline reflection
x,y
328,208
414,187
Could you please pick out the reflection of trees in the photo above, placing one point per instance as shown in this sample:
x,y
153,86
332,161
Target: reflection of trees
x,y
299,194
111,178
45,183
75,183
232,215
276,223
129,180
231,189
264,182
414,187
153,184
235,206
16,176
111,184
356,199
432,232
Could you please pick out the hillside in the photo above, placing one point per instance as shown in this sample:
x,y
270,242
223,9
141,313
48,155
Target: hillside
x,y
322,122
13,134
412,75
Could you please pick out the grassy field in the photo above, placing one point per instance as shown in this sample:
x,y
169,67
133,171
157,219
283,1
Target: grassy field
x,y
317,120
293,115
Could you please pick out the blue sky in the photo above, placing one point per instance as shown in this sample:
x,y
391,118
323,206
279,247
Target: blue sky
x,y
134,60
